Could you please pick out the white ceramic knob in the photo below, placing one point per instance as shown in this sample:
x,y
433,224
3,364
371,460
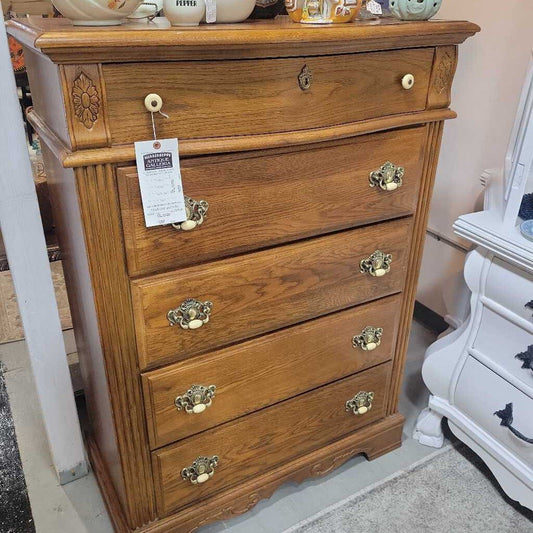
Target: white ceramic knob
x,y
362,410
153,103
199,408
202,478
408,81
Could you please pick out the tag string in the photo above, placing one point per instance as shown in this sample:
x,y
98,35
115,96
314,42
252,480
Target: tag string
x,y
153,122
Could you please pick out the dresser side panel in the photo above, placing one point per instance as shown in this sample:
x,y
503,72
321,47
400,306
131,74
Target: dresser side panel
x,y
98,197
67,219
415,258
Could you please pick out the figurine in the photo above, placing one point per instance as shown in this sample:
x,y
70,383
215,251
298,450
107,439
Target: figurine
x,y
414,10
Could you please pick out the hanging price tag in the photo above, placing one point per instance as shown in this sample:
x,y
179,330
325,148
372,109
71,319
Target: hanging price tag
x,y
374,7
158,167
210,11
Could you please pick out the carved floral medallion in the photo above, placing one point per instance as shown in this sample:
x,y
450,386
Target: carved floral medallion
x,y
86,100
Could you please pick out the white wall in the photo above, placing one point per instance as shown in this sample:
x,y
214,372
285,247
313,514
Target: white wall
x,y
490,74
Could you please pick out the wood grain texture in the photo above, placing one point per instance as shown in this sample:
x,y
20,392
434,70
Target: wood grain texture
x,y
415,258
85,105
261,372
442,73
222,145
373,440
267,290
256,443
103,236
249,97
261,199
279,37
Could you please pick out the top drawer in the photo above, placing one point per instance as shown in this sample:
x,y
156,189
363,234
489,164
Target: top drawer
x,y
226,98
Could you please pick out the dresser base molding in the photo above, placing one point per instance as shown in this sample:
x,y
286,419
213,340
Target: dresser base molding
x,y
372,441
514,476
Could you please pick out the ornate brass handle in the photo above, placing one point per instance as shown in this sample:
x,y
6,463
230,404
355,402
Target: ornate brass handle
x,y
408,82
196,400
506,417
388,177
201,470
369,339
196,211
191,314
305,78
377,265
361,403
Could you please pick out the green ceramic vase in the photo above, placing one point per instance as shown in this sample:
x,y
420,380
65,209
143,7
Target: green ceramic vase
x,y
414,9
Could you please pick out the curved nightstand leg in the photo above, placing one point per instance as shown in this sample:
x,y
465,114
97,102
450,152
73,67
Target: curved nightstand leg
x,y
428,430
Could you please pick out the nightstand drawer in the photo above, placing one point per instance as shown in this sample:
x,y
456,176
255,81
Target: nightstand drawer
x,y
481,393
245,97
264,371
511,287
218,303
506,344
261,441
251,202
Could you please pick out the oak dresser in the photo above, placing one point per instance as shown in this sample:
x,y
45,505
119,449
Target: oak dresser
x,y
264,339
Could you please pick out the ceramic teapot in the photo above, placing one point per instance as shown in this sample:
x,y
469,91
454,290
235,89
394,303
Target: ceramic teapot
x,y
414,9
322,11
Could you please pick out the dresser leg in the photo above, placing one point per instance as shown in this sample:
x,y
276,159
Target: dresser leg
x,y
428,429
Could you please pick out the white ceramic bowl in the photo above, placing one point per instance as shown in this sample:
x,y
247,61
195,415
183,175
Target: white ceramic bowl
x,y
96,12
234,10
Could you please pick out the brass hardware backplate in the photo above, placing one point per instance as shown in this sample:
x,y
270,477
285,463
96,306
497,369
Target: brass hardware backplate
x,y
369,339
361,403
191,314
196,400
388,177
201,470
196,211
305,78
377,265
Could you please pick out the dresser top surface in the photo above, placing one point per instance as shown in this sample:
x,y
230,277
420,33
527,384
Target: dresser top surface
x,y
64,42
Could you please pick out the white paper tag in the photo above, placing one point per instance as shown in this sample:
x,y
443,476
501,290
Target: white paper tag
x,y
374,7
158,166
210,11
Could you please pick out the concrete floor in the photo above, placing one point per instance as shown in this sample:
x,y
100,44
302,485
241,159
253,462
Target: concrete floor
x,y
78,506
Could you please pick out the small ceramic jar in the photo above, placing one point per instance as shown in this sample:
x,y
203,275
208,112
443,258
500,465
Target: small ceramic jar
x,y
184,12
322,11
414,9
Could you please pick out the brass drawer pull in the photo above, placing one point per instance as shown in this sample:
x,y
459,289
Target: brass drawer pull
x,y
361,403
377,265
196,400
369,339
388,177
191,314
305,78
201,470
408,82
196,211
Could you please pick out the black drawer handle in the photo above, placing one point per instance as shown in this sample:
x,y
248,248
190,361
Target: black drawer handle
x,y
529,305
526,358
506,416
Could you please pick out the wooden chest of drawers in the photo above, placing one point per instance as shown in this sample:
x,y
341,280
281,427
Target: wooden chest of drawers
x,y
266,344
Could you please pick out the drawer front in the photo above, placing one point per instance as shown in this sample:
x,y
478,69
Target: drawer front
x,y
264,371
481,392
507,345
264,291
511,287
227,98
254,202
263,440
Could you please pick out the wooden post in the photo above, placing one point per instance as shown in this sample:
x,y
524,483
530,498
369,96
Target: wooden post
x,y
25,245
